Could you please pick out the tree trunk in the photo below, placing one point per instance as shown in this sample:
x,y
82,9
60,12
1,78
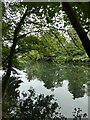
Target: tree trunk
x,y
5,81
77,26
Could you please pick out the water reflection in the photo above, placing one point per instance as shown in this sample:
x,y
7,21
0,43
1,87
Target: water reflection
x,y
63,81
53,76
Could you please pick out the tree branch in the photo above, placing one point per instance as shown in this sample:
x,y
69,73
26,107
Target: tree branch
x,y
77,26
60,41
5,82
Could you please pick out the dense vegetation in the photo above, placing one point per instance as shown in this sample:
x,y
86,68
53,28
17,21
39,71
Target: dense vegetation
x,y
55,32
53,40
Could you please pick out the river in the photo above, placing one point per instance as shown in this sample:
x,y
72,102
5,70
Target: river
x,y
68,83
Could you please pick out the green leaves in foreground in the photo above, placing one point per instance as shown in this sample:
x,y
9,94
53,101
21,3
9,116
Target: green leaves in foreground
x,y
31,106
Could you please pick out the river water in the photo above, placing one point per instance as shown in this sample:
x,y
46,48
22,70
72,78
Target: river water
x,y
68,83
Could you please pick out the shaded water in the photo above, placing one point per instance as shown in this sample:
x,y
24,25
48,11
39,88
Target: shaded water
x,y
68,83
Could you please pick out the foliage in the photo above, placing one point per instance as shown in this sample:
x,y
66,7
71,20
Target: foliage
x,y
83,10
38,37
78,114
36,107
41,35
32,106
49,47
10,100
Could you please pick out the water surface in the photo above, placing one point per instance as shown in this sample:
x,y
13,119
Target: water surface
x,y
68,83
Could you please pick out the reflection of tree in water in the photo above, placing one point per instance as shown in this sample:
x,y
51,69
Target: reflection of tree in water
x,y
78,76
30,106
53,75
77,89
46,72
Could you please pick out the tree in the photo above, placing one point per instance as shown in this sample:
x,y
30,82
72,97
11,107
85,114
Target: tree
x,y
12,52
35,17
77,26
22,24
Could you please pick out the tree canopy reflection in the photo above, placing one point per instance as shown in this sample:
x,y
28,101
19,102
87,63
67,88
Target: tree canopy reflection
x,y
53,76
